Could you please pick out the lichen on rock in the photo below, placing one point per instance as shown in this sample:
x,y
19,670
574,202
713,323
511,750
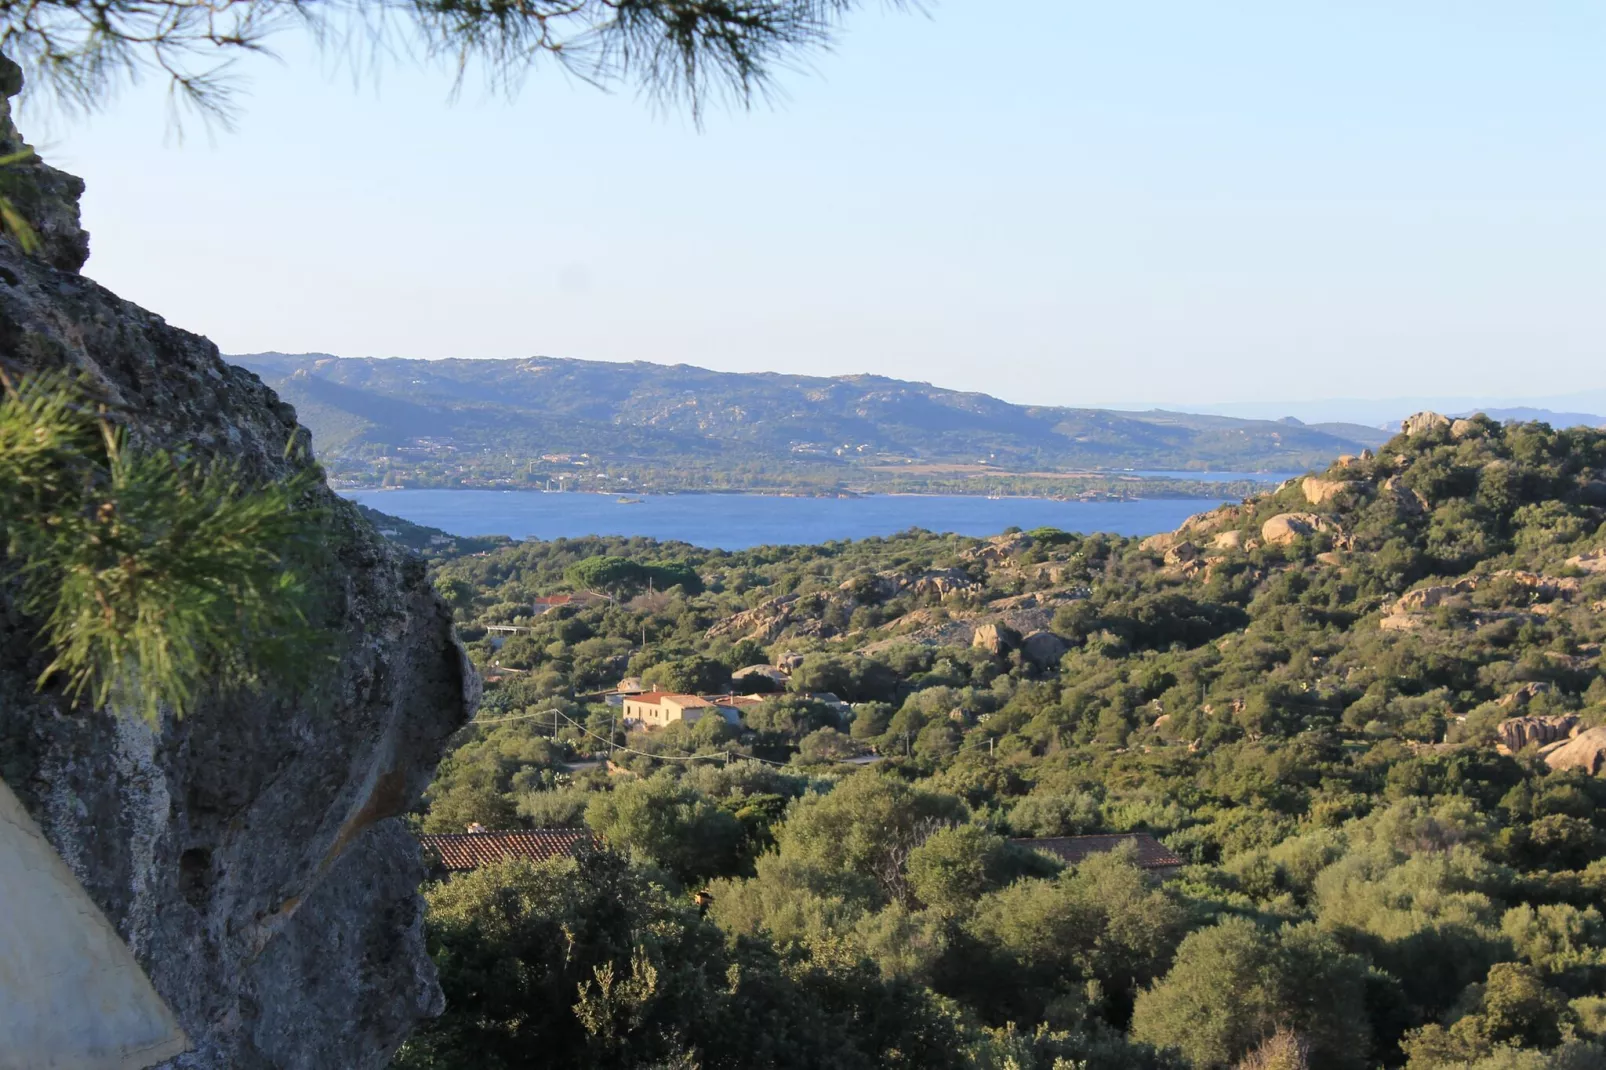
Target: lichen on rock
x,y
251,854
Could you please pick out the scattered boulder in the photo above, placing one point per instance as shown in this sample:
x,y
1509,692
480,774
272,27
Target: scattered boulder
x,y
1227,540
1423,422
1181,553
1044,648
1518,732
943,582
1407,500
1437,594
1465,428
1593,561
1525,693
1214,520
1284,528
774,675
996,639
1318,491
999,548
1586,751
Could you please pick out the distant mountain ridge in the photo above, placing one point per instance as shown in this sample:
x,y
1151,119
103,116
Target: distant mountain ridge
x,y
547,405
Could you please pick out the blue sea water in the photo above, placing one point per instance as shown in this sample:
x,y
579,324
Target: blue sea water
x,y
738,521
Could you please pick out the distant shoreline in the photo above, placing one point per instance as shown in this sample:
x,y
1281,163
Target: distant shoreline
x,y
1204,495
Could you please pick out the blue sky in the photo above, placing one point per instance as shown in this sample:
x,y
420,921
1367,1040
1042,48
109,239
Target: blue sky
x,y
1064,202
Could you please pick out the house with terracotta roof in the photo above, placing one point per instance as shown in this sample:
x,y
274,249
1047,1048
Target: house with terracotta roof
x,y
1151,854
655,709
458,852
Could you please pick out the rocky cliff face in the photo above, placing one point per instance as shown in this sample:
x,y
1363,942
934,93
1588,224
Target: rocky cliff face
x,y
250,854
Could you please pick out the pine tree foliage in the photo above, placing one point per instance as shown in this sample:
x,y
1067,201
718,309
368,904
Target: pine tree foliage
x,y
154,578
672,49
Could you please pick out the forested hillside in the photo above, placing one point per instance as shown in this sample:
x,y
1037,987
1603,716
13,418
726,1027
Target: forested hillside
x,y
505,419
1367,711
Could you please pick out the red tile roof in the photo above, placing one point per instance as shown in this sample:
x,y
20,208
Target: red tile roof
x,y
1152,854
458,851
656,698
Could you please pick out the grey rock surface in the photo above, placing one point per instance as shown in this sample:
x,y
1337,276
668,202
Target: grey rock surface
x,y
250,855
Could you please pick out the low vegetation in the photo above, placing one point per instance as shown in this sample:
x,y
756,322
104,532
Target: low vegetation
x,y
1366,712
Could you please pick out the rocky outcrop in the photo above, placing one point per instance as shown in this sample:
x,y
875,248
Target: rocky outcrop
x,y
1182,553
1516,733
1320,491
999,549
1196,526
1594,561
1044,649
250,855
43,196
1284,528
1407,501
761,674
1525,694
1436,594
1585,751
996,639
940,583
1423,422
765,622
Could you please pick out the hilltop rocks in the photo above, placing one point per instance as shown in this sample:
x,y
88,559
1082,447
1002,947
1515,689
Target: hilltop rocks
x,y
1518,732
997,639
251,855
1465,429
1423,422
1320,491
1585,751
1196,526
1284,528
999,549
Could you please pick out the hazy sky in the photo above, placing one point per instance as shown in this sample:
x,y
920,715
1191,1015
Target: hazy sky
x,y
1048,200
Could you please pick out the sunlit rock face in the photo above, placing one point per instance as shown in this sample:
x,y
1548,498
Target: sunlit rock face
x,y
250,855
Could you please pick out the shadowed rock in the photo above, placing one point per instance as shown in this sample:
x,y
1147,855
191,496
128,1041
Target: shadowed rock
x,y
251,855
